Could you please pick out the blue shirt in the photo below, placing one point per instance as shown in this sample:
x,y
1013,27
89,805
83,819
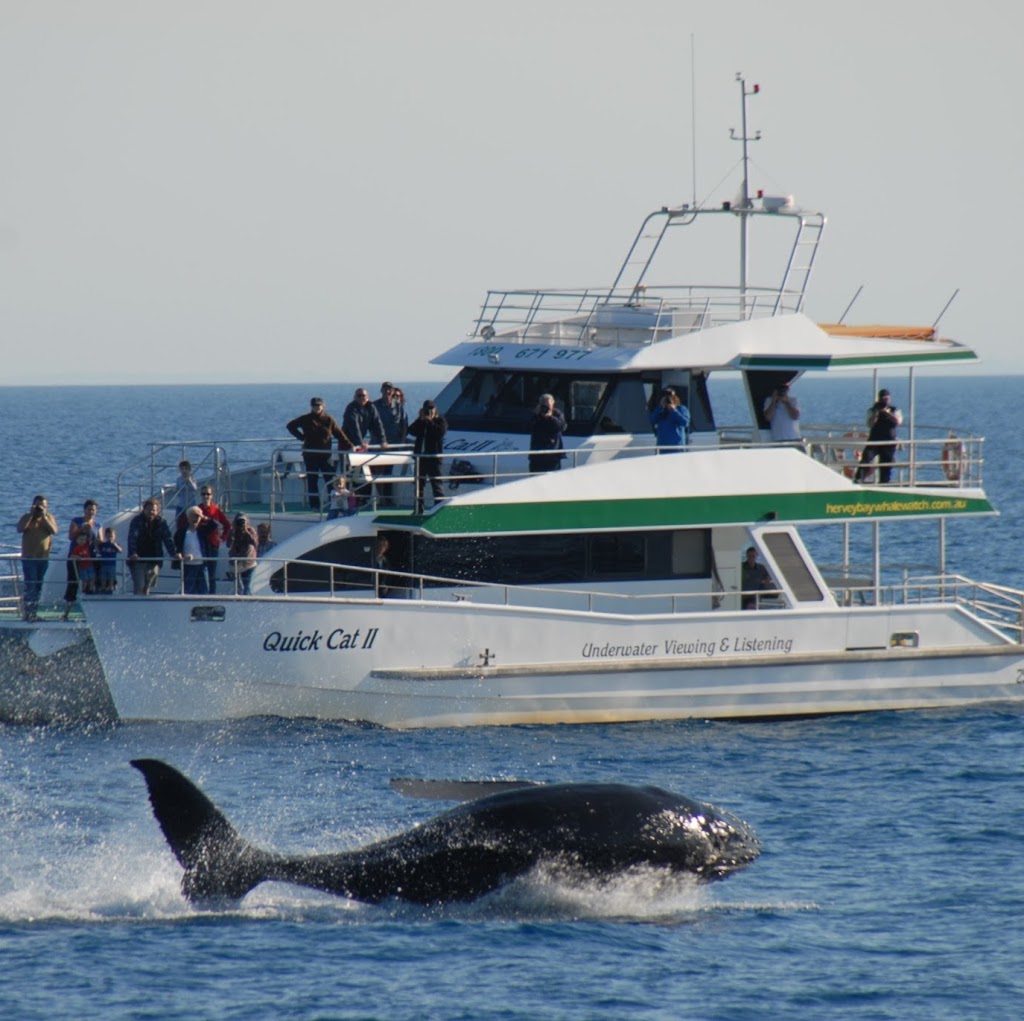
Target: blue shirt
x,y
670,425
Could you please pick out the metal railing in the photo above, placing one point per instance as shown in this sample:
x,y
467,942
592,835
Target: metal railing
x,y
593,316
999,606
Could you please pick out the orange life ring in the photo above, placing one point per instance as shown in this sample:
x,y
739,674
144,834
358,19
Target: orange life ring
x,y
954,459
852,455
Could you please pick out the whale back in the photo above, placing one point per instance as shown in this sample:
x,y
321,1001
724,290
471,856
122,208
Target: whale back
x,y
467,851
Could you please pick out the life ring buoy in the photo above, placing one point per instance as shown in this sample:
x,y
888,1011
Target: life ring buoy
x,y
849,451
954,459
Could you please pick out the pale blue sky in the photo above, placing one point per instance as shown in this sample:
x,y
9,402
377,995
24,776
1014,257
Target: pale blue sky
x,y
323,191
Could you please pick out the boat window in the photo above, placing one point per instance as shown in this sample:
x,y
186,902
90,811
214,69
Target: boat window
x,y
331,573
626,408
566,559
617,555
512,559
792,567
500,400
702,417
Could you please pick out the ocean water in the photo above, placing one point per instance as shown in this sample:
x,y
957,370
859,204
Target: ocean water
x,y
891,884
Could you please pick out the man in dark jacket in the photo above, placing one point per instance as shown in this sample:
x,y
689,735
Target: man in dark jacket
x,y
546,435
429,430
315,431
148,537
362,422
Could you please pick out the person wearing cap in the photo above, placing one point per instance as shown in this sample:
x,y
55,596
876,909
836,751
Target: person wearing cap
x,y
391,409
242,549
883,419
315,431
429,431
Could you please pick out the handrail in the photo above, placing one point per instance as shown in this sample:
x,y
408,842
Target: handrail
x,y
572,317
243,471
1000,606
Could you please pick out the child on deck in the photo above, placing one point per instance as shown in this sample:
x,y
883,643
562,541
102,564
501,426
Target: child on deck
x,y
81,569
343,500
107,550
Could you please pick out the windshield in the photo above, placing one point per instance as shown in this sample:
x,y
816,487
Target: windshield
x,y
499,400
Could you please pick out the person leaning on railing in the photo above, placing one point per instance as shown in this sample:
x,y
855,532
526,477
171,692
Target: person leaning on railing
x,y
37,528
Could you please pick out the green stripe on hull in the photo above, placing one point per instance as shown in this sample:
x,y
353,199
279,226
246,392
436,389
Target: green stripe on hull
x,y
682,512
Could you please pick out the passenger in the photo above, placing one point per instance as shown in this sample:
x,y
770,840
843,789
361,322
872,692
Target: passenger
x,y
391,409
189,543
782,412
315,431
214,529
362,422
546,435
37,528
264,543
148,537
670,419
754,579
343,500
243,551
883,420
428,432
88,523
388,585
107,550
187,493
81,570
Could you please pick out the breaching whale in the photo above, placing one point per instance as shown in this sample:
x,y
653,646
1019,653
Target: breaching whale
x,y
590,829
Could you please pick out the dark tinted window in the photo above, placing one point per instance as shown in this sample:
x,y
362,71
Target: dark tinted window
x,y
498,400
565,559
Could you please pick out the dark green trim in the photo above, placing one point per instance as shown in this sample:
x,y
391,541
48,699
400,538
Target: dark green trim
x,y
831,361
685,512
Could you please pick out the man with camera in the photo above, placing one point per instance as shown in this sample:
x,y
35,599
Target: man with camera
x,y
546,435
782,412
37,528
882,420
670,420
428,431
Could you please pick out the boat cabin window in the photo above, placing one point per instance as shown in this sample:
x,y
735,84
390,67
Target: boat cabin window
x,y
499,400
566,559
331,574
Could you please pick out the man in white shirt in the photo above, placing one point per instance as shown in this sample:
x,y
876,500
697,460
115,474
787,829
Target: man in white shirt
x,y
782,412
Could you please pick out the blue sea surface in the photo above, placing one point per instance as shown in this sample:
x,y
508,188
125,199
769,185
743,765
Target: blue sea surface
x,y
891,884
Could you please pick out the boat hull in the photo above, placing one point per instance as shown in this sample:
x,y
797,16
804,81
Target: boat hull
x,y
412,663
51,674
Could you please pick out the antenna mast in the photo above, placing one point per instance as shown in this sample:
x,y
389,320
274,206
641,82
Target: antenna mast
x,y
745,204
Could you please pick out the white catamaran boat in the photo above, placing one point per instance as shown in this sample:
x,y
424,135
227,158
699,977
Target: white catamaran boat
x,y
608,590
